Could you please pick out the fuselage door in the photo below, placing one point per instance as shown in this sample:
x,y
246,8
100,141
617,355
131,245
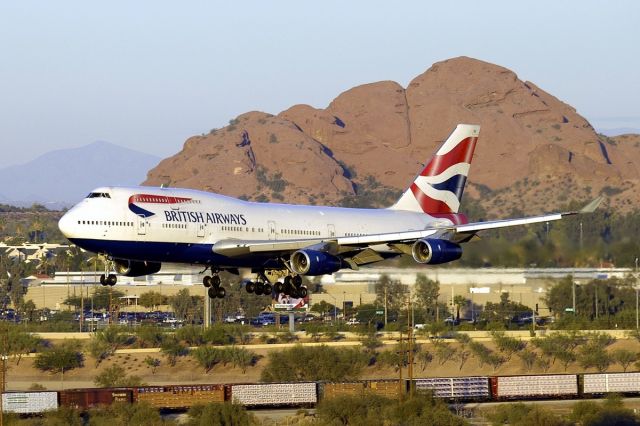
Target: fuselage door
x,y
142,225
272,230
201,230
332,230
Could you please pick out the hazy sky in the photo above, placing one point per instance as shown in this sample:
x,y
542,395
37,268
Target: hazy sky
x,y
149,74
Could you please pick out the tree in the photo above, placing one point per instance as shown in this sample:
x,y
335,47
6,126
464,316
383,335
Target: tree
x,y
624,357
152,299
393,291
507,345
426,293
459,301
207,357
186,307
595,357
60,358
566,357
443,351
116,376
153,363
228,413
149,336
120,413
323,308
303,363
528,358
18,342
173,348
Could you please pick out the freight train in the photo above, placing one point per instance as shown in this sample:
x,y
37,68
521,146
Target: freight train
x,y
308,394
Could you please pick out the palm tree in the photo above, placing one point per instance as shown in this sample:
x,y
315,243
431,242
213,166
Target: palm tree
x,y
459,301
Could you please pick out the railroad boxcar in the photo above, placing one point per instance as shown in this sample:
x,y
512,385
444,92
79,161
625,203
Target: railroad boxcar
x,y
387,388
83,399
29,402
175,397
600,384
474,388
328,390
543,386
275,394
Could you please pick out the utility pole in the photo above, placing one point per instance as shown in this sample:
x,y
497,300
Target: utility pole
x,y
595,287
410,337
637,289
385,306
3,384
573,292
207,309
400,362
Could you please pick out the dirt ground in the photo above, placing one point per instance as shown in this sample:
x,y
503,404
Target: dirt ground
x,y
23,375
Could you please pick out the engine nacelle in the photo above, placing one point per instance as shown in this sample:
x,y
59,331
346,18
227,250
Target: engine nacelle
x,y
312,262
434,251
132,268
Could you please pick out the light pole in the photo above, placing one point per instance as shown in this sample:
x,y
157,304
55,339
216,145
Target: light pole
x,y
335,307
573,293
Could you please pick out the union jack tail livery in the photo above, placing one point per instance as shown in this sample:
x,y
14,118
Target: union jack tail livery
x,y
438,189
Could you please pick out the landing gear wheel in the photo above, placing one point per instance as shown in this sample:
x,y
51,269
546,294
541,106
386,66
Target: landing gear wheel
x,y
111,280
103,279
293,293
250,287
278,287
302,292
267,289
287,280
206,281
220,292
212,292
289,289
297,280
215,281
259,288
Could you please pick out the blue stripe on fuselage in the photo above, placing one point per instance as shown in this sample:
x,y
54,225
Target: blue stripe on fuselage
x,y
154,251
140,211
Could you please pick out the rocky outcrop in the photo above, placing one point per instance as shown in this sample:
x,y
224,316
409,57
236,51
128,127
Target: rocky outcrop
x,y
375,137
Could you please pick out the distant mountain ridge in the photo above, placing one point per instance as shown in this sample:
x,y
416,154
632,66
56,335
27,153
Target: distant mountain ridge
x,y
62,177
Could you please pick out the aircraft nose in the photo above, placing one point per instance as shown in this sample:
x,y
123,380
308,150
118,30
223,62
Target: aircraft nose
x,y
65,224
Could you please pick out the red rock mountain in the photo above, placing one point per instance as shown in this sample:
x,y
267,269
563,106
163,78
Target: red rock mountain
x,y
535,152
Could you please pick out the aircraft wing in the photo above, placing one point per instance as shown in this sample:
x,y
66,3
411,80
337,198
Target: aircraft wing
x,y
337,245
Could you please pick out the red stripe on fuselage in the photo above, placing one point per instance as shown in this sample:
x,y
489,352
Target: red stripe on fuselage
x,y
462,153
157,199
456,218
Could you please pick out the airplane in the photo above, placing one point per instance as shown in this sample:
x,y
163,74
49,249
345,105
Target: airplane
x,y
139,228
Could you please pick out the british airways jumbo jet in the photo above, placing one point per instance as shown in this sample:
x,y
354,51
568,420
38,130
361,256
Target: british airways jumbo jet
x,y
138,228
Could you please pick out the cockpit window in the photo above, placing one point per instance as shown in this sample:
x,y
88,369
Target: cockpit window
x,y
99,195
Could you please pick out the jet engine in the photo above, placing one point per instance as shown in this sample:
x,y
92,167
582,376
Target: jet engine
x,y
132,268
434,251
312,262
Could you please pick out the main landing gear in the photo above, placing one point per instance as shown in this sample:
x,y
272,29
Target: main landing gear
x,y
292,286
213,284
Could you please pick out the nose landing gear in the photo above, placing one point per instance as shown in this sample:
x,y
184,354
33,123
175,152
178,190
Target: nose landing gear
x,y
108,279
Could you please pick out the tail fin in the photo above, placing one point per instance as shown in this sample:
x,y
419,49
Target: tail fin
x,y
438,188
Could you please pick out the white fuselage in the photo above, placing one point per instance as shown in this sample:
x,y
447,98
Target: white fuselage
x,y
182,225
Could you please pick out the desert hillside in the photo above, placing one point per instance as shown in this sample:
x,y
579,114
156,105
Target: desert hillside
x,y
535,151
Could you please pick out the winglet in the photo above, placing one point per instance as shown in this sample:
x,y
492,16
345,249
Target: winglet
x,y
592,206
